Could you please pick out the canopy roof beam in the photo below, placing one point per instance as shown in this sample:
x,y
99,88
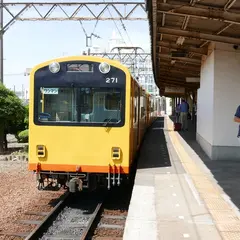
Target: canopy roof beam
x,y
198,35
171,45
199,12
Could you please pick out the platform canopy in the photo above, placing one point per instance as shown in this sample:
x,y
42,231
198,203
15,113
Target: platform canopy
x,y
180,34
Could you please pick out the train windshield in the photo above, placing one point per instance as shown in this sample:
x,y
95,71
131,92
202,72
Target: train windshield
x,y
80,105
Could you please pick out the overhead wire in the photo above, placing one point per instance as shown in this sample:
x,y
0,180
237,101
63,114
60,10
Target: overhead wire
x,y
85,32
83,28
93,34
124,27
95,27
116,25
13,74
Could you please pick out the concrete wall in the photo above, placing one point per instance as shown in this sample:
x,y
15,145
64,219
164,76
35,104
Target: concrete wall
x,y
205,102
218,98
226,94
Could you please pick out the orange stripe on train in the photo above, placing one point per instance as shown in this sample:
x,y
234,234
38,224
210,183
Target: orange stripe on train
x,y
73,168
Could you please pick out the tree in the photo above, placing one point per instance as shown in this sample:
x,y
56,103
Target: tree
x,y
26,119
15,127
12,114
20,128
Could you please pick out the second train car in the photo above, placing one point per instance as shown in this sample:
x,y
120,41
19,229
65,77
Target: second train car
x,y
87,118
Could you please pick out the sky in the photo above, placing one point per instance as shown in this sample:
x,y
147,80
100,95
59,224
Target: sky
x,y
29,43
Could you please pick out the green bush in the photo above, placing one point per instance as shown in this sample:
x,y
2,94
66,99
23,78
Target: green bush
x,y
23,136
25,149
12,114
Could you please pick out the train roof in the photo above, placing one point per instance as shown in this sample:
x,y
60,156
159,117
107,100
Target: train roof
x,y
94,59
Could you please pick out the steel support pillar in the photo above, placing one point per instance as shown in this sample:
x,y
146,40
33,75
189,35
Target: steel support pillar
x,y
193,109
173,106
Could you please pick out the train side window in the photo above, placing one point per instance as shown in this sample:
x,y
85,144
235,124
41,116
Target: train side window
x,y
135,111
142,112
152,106
142,106
135,104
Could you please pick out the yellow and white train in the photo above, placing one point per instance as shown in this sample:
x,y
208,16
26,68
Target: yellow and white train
x,y
87,118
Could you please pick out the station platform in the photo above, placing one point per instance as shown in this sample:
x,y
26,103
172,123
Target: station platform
x,y
178,194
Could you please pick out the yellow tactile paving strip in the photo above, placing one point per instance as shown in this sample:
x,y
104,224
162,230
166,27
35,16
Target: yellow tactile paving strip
x,y
223,215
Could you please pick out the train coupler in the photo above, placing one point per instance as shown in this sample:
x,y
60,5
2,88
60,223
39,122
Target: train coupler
x,y
75,185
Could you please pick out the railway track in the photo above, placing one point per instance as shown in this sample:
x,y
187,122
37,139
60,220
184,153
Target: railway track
x,y
39,209
76,216
100,215
72,218
111,222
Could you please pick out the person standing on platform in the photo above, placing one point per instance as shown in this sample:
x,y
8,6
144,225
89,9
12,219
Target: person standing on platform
x,y
237,119
184,115
178,113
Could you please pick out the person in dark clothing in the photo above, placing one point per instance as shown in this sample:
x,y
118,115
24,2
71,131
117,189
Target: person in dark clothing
x,y
178,113
237,120
184,107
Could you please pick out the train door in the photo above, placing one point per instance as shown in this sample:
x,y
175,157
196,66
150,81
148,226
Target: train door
x,y
138,115
146,99
149,109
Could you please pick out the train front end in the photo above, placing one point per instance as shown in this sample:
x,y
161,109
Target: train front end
x,y
79,124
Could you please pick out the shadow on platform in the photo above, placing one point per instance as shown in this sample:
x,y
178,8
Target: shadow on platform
x,y
154,152
227,173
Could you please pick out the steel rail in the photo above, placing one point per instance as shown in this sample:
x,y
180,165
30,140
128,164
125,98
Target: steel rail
x,y
41,227
91,222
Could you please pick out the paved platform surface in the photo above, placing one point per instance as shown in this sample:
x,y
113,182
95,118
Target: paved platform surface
x,y
226,172
175,195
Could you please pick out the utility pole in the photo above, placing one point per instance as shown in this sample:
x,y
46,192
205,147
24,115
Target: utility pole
x,y
1,42
22,94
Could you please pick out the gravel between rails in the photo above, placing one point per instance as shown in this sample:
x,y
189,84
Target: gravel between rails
x,y
67,217
75,217
18,194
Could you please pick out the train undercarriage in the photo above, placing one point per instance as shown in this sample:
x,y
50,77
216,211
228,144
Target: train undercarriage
x,y
76,182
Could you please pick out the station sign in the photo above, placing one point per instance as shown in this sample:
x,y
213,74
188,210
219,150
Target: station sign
x,y
174,90
193,79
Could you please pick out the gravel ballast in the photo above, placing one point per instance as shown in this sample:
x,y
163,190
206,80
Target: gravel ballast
x,y
18,194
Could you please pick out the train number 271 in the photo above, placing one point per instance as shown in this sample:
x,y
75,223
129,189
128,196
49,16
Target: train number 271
x,y
112,80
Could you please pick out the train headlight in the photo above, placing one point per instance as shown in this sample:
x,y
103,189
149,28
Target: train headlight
x,y
54,67
104,67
